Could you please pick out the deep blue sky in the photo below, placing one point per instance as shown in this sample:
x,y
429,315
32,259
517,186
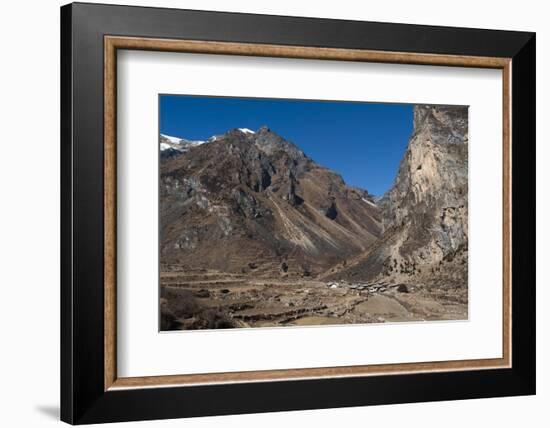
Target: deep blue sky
x,y
364,142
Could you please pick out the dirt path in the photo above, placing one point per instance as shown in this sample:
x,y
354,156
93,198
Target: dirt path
x,y
385,308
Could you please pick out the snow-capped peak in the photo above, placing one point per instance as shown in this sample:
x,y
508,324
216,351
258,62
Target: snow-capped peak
x,y
246,131
176,143
174,140
182,145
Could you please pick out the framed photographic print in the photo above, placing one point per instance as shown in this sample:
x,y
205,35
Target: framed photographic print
x,y
265,213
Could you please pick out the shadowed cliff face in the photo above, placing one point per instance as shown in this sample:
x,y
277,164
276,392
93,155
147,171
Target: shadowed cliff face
x,y
425,213
253,202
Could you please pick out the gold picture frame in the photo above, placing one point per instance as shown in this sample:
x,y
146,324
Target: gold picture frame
x,y
114,43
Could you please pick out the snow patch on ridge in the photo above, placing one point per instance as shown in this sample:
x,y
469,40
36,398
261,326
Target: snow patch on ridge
x,y
246,131
174,140
369,202
182,145
176,143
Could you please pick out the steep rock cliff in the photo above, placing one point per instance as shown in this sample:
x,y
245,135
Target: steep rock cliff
x,y
425,213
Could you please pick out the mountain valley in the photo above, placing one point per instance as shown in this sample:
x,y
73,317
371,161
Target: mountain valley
x,y
254,233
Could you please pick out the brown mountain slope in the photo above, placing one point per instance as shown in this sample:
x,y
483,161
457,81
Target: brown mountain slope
x,y
254,202
425,213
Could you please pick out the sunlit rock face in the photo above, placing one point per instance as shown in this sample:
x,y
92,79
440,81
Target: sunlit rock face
x,y
425,213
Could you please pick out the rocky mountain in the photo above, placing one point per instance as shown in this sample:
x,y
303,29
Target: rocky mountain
x,y
425,213
251,201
